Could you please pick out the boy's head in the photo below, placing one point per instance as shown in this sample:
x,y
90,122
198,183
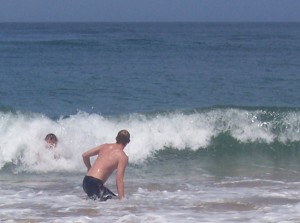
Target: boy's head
x,y
51,139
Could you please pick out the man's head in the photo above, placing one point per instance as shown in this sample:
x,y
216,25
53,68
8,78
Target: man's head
x,y
123,137
51,139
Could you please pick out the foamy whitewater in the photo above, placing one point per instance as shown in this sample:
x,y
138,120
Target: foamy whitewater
x,y
213,112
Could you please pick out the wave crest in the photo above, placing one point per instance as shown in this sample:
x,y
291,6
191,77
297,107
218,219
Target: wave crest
x,y
22,134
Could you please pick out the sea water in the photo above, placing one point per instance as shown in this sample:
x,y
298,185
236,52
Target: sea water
x,y
213,111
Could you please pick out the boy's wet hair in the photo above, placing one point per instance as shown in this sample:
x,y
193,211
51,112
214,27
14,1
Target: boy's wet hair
x,y
123,137
51,137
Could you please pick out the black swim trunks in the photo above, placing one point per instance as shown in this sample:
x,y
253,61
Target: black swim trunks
x,y
95,189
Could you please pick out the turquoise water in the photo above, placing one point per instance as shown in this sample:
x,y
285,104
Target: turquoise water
x,y
213,110
117,68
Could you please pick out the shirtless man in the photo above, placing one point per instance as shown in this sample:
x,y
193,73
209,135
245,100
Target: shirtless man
x,y
110,157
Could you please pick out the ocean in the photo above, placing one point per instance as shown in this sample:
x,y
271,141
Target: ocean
x,y
213,110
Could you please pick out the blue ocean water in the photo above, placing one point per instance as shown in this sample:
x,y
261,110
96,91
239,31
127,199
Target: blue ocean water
x,y
213,110
117,68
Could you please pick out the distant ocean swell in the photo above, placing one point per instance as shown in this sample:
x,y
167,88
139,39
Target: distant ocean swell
x,y
215,132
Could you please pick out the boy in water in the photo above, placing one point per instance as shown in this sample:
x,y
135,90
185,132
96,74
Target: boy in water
x,y
110,157
51,141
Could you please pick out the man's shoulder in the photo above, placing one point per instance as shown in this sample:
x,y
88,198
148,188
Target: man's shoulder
x,y
123,158
121,154
107,145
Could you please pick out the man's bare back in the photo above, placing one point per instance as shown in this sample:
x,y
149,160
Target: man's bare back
x,y
110,157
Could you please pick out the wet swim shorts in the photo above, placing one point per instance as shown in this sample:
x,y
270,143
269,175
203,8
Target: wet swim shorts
x,y
95,189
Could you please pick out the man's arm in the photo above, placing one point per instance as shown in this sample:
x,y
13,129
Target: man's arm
x,y
120,176
86,156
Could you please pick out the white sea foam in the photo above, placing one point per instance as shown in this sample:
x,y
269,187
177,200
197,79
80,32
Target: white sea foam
x,y
22,135
63,201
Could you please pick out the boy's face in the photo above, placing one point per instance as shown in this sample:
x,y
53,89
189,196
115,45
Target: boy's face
x,y
51,143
